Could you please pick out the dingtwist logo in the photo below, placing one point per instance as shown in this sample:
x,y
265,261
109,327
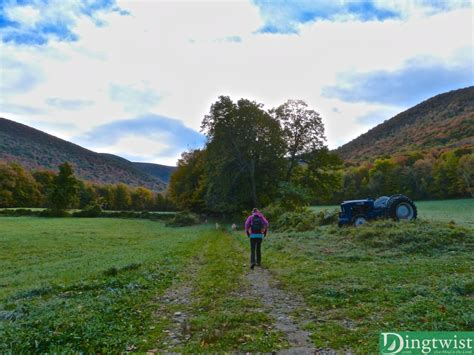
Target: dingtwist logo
x,y
391,343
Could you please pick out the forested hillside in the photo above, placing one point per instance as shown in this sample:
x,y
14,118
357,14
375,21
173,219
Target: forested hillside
x,y
35,149
444,121
162,172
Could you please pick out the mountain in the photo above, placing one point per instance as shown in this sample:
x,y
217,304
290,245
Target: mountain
x,y
162,172
35,149
443,121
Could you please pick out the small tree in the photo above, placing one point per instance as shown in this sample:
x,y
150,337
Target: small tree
x,y
466,171
187,184
65,189
142,199
18,188
123,197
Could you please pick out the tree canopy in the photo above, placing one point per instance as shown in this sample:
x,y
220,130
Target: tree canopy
x,y
252,156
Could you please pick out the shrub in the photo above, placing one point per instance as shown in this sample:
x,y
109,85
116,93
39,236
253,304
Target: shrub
x,y
273,212
89,211
326,217
183,219
132,214
19,212
298,221
54,213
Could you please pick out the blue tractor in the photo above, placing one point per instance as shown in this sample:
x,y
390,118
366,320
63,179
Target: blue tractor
x,y
358,212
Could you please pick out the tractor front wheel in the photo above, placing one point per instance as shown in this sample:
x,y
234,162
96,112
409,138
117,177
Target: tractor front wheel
x,y
359,220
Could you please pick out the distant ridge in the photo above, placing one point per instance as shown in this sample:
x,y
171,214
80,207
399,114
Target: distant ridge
x,y
35,149
162,172
445,120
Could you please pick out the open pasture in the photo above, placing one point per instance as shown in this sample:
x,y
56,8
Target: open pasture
x,y
115,285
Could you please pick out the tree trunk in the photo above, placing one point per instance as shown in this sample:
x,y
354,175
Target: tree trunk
x,y
290,167
252,183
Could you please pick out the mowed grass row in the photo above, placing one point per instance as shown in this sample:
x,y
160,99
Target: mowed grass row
x,y
460,211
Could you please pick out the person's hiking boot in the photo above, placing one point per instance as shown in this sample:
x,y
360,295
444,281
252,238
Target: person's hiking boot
x,y
252,266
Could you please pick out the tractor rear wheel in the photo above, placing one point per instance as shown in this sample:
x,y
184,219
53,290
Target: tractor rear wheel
x,y
401,208
359,220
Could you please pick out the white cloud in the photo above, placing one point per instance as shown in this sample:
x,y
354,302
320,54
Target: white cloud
x,y
26,15
175,51
140,148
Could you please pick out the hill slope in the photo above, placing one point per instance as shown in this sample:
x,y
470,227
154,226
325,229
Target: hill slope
x,y
35,149
162,172
445,120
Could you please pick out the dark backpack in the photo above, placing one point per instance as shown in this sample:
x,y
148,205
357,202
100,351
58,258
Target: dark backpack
x,y
257,225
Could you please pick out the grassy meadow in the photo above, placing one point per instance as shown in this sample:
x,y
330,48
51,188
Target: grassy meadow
x,y
116,285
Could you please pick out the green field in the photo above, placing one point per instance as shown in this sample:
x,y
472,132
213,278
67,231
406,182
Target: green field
x,y
115,285
460,211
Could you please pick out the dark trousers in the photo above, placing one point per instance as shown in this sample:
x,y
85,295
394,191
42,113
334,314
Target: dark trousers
x,y
255,244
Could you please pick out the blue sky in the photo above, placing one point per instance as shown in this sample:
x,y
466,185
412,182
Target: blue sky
x,y
135,78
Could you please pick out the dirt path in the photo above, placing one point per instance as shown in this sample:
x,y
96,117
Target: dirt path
x,y
288,310
179,305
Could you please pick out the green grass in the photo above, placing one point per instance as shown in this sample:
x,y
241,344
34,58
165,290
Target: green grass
x,y
94,285
382,277
460,211
221,318
43,251
85,285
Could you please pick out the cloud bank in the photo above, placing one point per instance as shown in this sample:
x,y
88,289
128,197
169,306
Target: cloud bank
x,y
74,67
147,138
417,80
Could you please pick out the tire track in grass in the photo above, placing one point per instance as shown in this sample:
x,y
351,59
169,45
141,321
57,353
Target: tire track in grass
x,y
207,311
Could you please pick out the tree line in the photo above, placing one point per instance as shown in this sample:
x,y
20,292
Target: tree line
x,y
436,174
254,157
62,190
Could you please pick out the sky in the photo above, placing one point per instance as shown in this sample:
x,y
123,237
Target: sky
x,y
135,78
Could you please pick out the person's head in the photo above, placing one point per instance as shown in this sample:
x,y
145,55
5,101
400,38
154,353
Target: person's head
x,y
255,210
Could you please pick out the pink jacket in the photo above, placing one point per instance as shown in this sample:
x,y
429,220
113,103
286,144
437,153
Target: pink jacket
x,y
248,222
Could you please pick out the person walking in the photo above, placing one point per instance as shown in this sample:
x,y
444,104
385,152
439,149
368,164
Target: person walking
x,y
256,227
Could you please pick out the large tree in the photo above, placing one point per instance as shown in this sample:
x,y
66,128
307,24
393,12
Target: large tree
x,y
303,131
245,155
